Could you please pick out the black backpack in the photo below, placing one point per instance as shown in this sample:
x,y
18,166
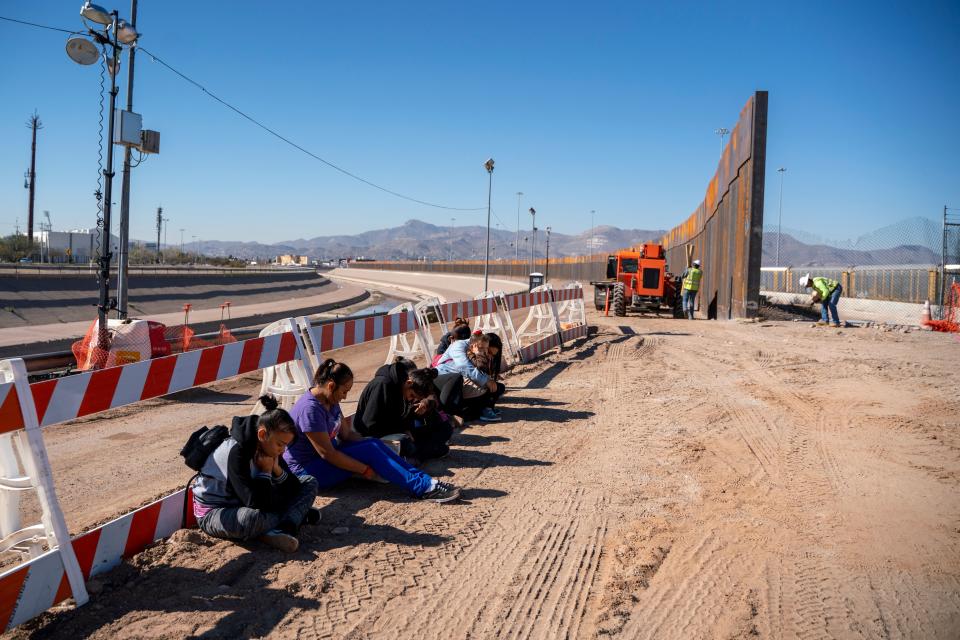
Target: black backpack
x,y
201,444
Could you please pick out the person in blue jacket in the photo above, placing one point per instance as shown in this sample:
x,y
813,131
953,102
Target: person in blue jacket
x,y
476,383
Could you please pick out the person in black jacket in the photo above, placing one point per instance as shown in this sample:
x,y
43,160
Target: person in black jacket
x,y
245,489
401,399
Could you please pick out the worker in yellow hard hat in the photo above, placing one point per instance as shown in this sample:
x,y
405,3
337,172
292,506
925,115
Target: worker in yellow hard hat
x,y
827,293
691,285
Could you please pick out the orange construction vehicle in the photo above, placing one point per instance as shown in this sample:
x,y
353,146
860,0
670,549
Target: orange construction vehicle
x,y
638,280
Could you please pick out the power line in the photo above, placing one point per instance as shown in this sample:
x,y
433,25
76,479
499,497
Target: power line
x,y
40,26
272,132
297,146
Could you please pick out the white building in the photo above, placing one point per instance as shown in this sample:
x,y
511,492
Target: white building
x,y
76,245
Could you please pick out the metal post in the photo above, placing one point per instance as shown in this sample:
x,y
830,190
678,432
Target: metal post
x,y
106,253
533,239
124,261
452,221
593,235
159,228
546,271
181,242
517,256
781,171
486,259
943,264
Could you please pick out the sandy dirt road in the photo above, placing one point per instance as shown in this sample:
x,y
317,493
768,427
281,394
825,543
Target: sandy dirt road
x,y
659,479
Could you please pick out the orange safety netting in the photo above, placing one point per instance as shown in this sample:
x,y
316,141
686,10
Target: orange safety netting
x,y
951,312
130,341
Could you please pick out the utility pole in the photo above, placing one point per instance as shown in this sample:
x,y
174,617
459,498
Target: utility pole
x,y
452,222
181,243
159,227
124,260
34,124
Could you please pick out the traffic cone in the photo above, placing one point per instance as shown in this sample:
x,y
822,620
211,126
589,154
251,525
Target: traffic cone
x,y
925,315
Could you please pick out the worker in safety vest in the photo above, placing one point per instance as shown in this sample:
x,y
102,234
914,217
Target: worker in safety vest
x,y
827,293
691,285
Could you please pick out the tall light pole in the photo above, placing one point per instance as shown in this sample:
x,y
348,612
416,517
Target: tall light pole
x,y
181,242
781,171
533,240
517,256
593,233
488,165
452,222
721,132
546,273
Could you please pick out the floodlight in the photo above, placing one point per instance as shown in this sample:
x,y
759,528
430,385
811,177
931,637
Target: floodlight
x,y
82,51
95,13
126,34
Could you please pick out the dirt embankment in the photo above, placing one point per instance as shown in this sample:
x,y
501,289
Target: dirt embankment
x,y
661,479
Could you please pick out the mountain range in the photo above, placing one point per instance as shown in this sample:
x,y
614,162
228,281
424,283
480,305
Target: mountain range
x,y
416,239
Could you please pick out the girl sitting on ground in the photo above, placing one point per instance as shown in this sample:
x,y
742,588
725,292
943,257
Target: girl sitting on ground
x,y
476,383
402,399
245,489
495,359
331,451
449,336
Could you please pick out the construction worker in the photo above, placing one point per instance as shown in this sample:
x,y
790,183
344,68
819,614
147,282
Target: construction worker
x,y
827,293
691,285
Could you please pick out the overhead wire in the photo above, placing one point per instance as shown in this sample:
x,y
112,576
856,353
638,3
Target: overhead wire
x,y
263,126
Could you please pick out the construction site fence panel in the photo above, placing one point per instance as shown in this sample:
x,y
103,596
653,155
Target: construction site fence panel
x,y
32,587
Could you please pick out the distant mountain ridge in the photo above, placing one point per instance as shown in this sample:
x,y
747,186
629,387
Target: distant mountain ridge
x,y
907,242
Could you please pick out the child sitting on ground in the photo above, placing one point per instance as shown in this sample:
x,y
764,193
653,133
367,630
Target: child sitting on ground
x,y
332,451
245,490
476,383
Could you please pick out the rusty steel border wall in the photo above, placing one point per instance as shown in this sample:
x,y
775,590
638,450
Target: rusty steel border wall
x,y
726,230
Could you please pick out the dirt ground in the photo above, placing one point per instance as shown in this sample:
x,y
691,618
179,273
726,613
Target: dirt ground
x,y
659,479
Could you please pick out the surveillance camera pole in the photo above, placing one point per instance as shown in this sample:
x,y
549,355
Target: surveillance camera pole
x,y
122,267
103,338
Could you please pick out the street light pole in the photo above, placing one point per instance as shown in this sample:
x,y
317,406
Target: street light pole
x,y
721,132
488,165
517,256
533,239
124,261
106,254
546,273
452,222
181,242
781,171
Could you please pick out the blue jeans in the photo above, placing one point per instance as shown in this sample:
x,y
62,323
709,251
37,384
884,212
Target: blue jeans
x,y
689,297
831,304
381,459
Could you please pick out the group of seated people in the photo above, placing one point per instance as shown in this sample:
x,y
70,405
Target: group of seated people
x,y
260,483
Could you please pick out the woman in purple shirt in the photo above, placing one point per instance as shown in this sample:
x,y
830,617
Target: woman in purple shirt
x,y
331,451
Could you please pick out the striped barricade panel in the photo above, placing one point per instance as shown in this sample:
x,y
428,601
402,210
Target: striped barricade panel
x,y
87,393
523,300
33,587
468,308
570,293
537,349
351,332
11,416
574,332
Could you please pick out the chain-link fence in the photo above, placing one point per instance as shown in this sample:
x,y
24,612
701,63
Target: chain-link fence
x,y
886,275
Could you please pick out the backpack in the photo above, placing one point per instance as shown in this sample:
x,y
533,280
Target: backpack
x,y
201,444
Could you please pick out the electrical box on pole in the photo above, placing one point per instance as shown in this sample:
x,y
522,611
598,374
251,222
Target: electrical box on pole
x,y
127,129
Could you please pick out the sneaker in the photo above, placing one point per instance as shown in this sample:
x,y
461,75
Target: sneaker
x,y
821,323
488,415
313,516
836,325
496,411
280,540
443,492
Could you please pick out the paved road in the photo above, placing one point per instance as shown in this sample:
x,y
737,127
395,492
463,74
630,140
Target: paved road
x,y
447,286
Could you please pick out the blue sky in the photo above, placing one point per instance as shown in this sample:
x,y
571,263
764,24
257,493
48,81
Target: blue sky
x,y
609,106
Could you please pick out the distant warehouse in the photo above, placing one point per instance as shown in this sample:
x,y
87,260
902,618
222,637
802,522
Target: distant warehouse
x,y
77,245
